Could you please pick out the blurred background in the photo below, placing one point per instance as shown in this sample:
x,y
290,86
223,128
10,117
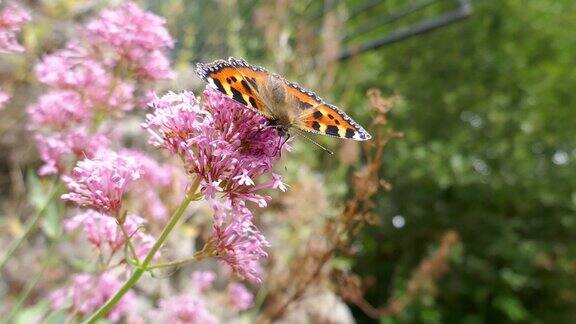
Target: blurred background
x,y
473,217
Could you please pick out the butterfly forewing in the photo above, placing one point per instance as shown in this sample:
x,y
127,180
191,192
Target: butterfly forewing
x,y
237,80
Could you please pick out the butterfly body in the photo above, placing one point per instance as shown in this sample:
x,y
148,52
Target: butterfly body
x,y
285,104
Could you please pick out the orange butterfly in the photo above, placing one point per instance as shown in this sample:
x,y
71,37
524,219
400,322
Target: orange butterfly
x,y
284,103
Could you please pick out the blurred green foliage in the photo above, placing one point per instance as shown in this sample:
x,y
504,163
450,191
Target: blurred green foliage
x,y
488,117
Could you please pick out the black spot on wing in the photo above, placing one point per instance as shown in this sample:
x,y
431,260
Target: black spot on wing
x,y
317,114
316,126
237,95
330,116
246,86
219,85
332,130
337,122
253,102
233,78
349,133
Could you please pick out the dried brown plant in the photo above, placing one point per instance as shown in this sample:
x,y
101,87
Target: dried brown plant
x,y
311,271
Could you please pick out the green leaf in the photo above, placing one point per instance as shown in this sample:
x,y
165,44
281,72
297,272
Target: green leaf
x,y
511,306
56,317
51,225
36,195
31,314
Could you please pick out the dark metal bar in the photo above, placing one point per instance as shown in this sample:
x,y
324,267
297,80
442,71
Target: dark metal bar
x,y
363,7
463,11
381,21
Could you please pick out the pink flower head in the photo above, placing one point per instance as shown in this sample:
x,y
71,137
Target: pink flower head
x,y
240,297
4,99
76,68
89,293
59,149
139,37
72,68
59,110
12,18
237,240
101,182
102,230
175,119
202,280
222,141
185,308
229,147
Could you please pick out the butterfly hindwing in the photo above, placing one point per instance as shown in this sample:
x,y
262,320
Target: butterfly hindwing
x,y
322,118
236,79
328,120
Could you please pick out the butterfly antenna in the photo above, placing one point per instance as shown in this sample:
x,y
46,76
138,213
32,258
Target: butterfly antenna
x,y
313,141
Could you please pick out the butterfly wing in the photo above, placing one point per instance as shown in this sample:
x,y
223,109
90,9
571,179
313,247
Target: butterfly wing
x,y
318,117
237,79
240,81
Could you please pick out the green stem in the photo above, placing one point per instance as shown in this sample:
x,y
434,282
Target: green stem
x,y
29,227
107,307
127,238
30,286
196,257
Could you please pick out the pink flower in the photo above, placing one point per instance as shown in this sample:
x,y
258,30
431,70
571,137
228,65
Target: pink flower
x,y
58,298
240,297
63,148
72,68
175,119
77,68
4,99
11,20
185,308
103,230
59,110
277,182
89,293
237,240
137,36
222,141
202,280
101,182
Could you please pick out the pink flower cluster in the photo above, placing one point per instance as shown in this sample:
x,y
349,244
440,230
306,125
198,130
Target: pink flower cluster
x,y
12,18
138,37
221,141
87,293
228,147
101,183
185,308
238,242
103,231
60,150
202,280
240,297
92,80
